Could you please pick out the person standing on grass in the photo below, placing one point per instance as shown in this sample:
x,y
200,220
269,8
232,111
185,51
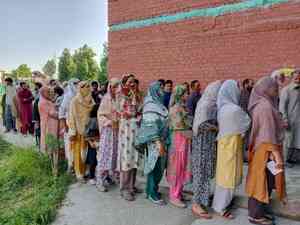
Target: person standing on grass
x,y
10,94
25,99
63,112
127,155
233,124
194,97
179,169
290,109
204,149
153,136
108,147
265,146
49,125
78,118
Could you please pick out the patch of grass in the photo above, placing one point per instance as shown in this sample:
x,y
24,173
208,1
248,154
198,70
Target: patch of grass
x,y
29,193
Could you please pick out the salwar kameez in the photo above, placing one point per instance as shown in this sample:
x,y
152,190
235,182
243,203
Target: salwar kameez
x,y
78,118
229,172
179,170
107,154
79,149
179,154
261,182
154,169
204,155
153,134
265,146
233,123
127,154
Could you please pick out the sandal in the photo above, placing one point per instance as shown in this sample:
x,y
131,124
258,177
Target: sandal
x,y
227,215
201,215
178,203
262,221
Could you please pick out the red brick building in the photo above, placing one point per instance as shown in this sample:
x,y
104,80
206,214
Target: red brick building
x,y
202,39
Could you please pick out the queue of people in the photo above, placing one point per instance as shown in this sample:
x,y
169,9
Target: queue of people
x,y
189,135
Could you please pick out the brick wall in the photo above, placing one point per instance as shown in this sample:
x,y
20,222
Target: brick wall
x,y
239,45
124,10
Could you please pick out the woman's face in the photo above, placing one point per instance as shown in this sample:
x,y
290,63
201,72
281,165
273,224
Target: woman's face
x,y
130,83
184,97
114,89
85,90
273,92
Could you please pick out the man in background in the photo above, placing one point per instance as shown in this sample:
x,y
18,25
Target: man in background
x,y
10,107
168,88
290,108
194,97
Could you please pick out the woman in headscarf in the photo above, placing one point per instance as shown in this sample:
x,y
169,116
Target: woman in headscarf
x,y
69,94
49,125
48,115
128,156
204,147
108,129
233,123
265,146
25,99
154,135
179,170
79,115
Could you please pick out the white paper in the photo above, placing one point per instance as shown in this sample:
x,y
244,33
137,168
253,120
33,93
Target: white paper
x,y
272,167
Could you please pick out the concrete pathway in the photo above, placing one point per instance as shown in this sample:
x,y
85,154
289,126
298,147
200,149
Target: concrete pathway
x,y
86,206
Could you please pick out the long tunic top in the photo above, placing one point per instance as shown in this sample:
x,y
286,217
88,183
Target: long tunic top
x,y
25,99
256,185
128,156
290,109
49,121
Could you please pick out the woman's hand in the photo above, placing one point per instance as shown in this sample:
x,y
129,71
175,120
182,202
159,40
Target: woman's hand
x,y
162,150
72,138
278,159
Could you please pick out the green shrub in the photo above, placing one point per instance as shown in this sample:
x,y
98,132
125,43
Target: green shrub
x,y
29,193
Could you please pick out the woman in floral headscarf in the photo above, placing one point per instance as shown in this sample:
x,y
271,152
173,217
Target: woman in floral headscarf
x,y
154,134
179,171
108,129
79,114
128,156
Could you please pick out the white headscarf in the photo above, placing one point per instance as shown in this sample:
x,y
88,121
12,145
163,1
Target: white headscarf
x,y
207,106
71,91
232,120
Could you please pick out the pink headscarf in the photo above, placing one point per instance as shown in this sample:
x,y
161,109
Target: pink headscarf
x,y
266,119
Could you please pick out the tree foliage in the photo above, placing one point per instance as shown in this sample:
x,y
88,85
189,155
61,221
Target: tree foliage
x,y
86,66
81,64
102,75
50,68
23,71
66,66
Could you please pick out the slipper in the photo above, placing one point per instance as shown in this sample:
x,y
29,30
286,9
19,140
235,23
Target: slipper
x,y
262,221
227,215
202,215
